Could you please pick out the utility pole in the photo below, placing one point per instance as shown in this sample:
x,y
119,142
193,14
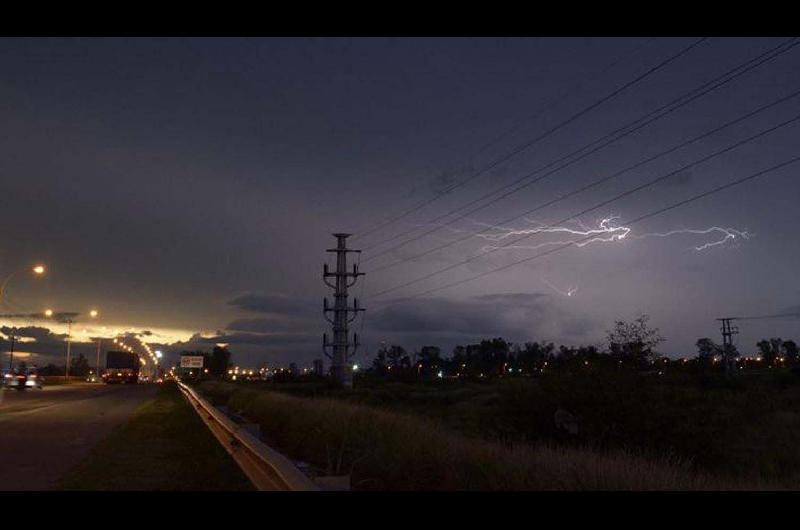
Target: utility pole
x,y
99,341
69,350
728,332
11,353
341,370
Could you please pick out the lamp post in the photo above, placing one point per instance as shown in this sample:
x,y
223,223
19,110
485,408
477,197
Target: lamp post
x,y
97,363
11,353
69,349
68,318
37,270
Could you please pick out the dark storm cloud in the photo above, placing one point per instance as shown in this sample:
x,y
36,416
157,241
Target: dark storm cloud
x,y
446,178
266,325
272,303
46,346
259,339
165,176
517,316
281,314
681,178
39,333
792,311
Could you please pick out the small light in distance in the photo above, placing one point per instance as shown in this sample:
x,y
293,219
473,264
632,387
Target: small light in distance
x,y
48,312
38,269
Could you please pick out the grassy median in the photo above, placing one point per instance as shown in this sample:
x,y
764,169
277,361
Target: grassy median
x,y
386,450
164,446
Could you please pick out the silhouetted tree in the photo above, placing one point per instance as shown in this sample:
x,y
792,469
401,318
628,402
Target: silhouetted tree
x,y
51,369
380,363
219,362
429,360
706,350
79,366
532,356
397,356
790,350
634,341
769,349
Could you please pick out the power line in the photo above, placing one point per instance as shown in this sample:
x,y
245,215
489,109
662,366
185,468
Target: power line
x,y
603,203
622,132
764,317
554,101
601,180
634,221
537,139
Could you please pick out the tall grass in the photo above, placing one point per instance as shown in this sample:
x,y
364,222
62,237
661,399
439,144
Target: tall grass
x,y
385,450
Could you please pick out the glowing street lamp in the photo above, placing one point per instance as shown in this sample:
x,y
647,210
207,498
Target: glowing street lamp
x,y
93,313
48,313
38,270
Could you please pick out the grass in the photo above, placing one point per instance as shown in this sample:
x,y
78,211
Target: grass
x,y
164,446
747,428
386,450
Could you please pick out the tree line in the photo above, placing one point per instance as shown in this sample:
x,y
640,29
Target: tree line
x,y
628,344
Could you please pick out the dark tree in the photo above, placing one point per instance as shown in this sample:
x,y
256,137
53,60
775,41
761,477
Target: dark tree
x,y
769,349
790,351
219,362
79,366
395,356
429,360
380,363
634,341
51,369
706,349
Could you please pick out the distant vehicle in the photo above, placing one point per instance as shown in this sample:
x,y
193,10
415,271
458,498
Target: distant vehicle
x,y
121,367
23,379
93,378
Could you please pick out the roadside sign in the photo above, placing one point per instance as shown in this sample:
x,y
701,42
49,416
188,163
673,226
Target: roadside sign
x,y
191,361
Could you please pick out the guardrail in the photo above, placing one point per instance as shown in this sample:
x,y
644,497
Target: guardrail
x,y
267,469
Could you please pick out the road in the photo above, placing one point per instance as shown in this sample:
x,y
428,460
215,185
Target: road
x,y
45,432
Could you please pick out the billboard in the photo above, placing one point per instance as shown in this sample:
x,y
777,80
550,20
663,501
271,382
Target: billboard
x,y
191,361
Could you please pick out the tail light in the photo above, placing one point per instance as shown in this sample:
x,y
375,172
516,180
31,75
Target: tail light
x,y
33,376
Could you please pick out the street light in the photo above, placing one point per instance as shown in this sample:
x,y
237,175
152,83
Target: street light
x,y
38,270
69,316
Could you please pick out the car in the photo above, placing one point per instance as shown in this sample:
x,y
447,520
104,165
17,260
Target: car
x,y
23,379
92,378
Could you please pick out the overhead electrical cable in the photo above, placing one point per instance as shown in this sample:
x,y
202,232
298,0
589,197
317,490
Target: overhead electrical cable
x,y
606,140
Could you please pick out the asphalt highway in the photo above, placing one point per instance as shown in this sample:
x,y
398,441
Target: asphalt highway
x,y
43,433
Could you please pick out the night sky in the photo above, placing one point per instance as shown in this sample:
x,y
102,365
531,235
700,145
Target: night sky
x,y
188,189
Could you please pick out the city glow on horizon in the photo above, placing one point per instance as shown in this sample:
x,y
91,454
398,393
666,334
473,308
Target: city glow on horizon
x,y
92,332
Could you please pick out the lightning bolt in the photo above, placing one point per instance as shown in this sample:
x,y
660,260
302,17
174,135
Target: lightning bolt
x,y
728,235
606,231
568,293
